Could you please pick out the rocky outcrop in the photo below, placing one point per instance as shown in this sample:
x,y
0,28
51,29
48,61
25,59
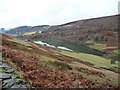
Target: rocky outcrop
x,y
9,79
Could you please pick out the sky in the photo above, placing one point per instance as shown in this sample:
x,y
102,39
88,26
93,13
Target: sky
x,y
14,13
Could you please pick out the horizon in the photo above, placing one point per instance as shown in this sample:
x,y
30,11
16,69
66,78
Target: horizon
x,y
62,23
33,13
59,24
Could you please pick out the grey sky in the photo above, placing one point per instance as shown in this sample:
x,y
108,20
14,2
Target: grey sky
x,y
15,13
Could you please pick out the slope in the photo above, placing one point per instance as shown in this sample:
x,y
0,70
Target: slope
x,y
46,67
24,29
102,30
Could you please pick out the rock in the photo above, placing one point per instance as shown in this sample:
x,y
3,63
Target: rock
x,y
27,85
19,81
16,86
10,71
0,70
8,83
9,80
13,83
5,76
23,86
14,76
4,66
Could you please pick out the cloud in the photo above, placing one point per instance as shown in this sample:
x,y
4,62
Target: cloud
x,y
36,12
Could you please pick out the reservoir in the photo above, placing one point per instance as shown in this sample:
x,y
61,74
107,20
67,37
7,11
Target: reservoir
x,y
46,44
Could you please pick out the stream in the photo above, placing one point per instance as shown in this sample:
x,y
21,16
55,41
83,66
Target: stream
x,y
9,79
43,43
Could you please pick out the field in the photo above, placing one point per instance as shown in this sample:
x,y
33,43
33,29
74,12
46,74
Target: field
x,y
30,33
95,45
96,60
116,51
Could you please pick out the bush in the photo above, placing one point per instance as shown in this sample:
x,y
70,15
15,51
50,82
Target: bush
x,y
61,65
114,58
96,38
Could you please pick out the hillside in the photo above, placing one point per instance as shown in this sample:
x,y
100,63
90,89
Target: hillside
x,y
18,30
24,29
97,36
45,67
101,30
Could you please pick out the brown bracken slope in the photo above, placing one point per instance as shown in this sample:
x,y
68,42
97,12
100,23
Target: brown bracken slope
x,y
44,67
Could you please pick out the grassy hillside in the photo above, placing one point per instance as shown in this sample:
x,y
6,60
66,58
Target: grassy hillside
x,y
97,36
103,30
46,67
96,60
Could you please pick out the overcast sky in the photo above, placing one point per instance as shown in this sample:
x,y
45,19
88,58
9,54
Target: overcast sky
x,y
15,13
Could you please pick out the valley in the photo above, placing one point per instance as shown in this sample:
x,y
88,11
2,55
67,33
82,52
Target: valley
x,y
48,67
79,54
97,36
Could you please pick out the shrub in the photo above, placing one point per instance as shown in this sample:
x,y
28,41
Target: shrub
x,y
96,38
114,58
61,65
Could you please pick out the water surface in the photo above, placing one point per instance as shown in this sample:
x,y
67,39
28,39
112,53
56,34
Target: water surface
x,y
43,43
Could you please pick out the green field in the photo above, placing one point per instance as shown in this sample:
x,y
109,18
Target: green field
x,y
116,51
95,45
30,33
96,60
